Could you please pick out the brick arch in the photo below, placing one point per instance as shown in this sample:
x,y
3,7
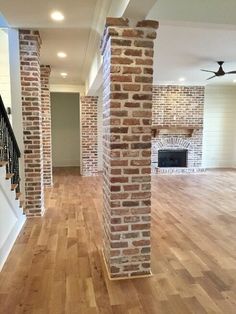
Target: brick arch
x,y
173,142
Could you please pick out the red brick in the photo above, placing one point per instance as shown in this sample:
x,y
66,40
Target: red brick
x,y
131,70
144,43
148,24
133,33
117,21
120,60
131,87
127,59
30,43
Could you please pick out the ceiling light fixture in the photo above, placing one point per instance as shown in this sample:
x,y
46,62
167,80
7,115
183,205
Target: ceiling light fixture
x,y
234,81
181,79
64,74
61,54
57,16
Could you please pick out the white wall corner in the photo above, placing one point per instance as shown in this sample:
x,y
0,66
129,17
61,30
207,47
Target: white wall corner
x,y
16,102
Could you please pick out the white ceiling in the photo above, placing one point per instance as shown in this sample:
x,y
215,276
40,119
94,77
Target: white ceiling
x,y
71,35
72,41
181,51
3,50
192,35
199,11
36,13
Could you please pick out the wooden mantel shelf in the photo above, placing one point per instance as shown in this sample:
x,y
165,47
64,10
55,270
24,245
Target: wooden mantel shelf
x,y
174,129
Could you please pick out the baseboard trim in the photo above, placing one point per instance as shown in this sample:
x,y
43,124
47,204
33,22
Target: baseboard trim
x,y
7,246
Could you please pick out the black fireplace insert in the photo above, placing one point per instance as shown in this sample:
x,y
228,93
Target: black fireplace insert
x,y
172,158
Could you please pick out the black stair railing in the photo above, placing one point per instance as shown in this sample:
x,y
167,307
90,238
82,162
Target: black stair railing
x,y
9,149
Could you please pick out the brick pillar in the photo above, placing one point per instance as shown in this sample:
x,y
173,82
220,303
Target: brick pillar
x,y
127,117
32,121
89,135
45,71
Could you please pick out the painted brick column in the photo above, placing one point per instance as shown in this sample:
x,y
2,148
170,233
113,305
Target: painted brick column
x,y
89,138
45,71
32,121
127,117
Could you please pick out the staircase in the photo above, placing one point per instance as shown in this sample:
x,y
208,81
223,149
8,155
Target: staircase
x,y
12,216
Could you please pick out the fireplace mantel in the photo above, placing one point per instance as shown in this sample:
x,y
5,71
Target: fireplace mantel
x,y
174,129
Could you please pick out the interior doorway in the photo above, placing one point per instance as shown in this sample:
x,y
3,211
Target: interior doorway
x,y
65,129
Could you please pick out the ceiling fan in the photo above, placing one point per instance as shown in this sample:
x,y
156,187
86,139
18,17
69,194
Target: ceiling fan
x,y
220,71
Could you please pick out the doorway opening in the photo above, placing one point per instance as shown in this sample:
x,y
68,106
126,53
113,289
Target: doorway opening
x,y
65,130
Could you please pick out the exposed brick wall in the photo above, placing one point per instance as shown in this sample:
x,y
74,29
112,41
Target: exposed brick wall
x,y
179,106
89,139
45,71
32,121
127,116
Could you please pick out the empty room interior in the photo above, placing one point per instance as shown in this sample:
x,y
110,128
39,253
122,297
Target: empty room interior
x,y
118,157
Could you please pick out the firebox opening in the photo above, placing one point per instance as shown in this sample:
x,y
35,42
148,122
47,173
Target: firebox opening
x,y
170,158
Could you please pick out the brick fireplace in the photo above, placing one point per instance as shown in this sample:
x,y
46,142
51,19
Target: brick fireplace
x,y
177,126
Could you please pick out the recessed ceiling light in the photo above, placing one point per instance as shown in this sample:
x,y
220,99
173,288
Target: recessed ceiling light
x,y
181,79
234,81
57,16
61,54
64,74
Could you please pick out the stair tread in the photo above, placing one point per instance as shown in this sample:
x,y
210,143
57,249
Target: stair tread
x,y
22,203
9,175
14,186
3,163
18,195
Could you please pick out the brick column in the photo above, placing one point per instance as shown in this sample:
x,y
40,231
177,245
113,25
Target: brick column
x,y
89,138
128,78
46,125
32,121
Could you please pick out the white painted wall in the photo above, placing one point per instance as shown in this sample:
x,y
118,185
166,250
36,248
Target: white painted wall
x,y
94,78
16,103
11,217
234,163
219,136
65,129
5,87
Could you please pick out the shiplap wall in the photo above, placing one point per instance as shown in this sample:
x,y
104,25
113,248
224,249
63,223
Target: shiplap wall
x,y
219,136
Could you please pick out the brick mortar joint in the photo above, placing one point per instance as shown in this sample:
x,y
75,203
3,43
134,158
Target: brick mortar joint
x,y
30,32
143,25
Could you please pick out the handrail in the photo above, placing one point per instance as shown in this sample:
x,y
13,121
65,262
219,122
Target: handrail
x,y
9,149
3,113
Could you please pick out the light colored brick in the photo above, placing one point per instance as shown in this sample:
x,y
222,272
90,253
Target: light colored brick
x,y
89,135
45,71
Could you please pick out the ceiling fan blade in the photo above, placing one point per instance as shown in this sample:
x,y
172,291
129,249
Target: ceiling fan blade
x,y
231,72
208,71
211,77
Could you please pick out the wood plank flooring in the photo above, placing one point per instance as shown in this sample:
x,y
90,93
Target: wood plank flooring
x,y
56,265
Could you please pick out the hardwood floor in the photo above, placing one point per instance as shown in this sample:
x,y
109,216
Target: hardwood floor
x,y
56,265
